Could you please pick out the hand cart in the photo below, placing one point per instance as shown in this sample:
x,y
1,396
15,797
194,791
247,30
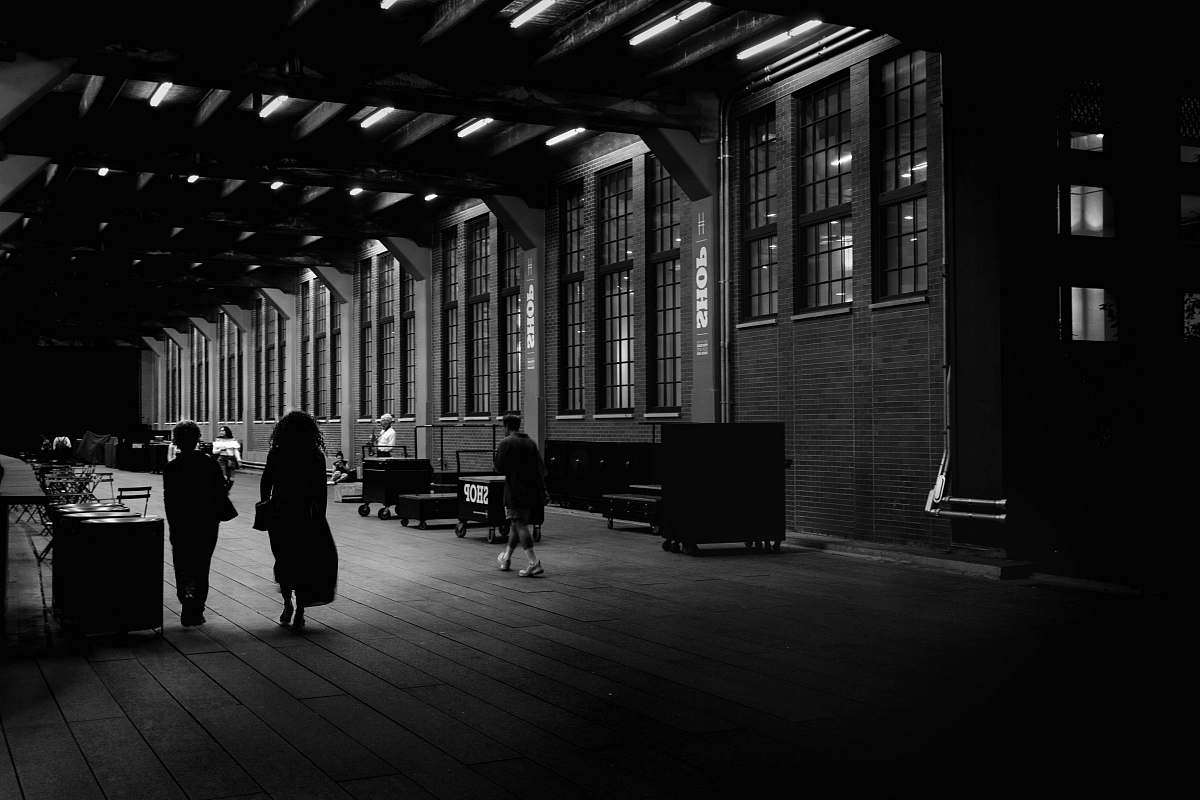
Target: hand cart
x,y
481,500
385,479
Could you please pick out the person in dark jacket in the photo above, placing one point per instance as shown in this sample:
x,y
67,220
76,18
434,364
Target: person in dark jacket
x,y
518,459
306,560
194,495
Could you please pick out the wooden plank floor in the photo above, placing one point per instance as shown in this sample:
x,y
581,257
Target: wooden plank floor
x,y
624,671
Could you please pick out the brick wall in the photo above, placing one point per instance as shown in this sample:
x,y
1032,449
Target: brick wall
x,y
860,390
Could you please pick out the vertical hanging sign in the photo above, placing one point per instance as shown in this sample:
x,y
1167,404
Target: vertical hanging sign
x,y
530,313
704,306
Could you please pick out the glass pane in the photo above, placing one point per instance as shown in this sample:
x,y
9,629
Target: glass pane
x,y
1091,211
1093,315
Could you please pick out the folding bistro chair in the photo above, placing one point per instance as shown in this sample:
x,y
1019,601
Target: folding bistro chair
x,y
135,493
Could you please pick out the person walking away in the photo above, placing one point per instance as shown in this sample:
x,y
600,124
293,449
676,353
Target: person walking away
x,y
193,494
518,459
228,453
387,437
306,560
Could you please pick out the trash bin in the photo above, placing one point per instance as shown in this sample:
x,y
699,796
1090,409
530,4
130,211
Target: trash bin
x,y
72,561
119,580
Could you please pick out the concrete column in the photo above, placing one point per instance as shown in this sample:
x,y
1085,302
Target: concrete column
x,y
151,381
341,291
286,303
528,227
209,330
242,319
418,262
185,378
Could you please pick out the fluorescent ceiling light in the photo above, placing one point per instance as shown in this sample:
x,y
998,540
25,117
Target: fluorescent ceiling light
x,y
102,171
160,93
277,185
357,190
474,126
669,23
430,196
273,106
530,13
193,178
562,137
775,41
378,115
386,4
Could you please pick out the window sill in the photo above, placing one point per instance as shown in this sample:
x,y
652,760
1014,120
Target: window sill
x,y
615,415
406,419
758,323
661,415
448,419
901,301
568,416
361,419
833,311
484,418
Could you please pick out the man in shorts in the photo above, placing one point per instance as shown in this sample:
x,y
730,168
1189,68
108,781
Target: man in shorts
x,y
518,460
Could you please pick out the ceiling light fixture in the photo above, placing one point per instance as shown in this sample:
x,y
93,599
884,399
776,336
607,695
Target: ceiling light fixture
x,y
562,137
102,171
193,178
530,13
474,126
160,93
386,4
356,191
668,23
430,196
273,106
378,115
277,185
775,41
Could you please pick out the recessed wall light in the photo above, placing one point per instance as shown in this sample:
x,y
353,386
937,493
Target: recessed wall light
x,y
562,137
530,13
775,41
273,106
375,117
276,185
160,93
357,190
478,124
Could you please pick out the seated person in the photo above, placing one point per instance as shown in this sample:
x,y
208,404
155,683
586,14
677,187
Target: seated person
x,y
341,469
62,449
228,452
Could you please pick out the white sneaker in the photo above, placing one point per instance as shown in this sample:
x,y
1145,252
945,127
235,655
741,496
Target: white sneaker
x,y
533,569
503,562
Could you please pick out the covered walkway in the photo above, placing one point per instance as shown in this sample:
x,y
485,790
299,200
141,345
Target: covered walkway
x,y
624,672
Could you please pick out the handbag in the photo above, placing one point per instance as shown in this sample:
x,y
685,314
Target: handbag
x,y
264,515
227,511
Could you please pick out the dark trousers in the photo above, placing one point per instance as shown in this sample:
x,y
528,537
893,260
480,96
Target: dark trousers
x,y
192,556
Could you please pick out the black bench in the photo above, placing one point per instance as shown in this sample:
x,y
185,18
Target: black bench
x,y
638,507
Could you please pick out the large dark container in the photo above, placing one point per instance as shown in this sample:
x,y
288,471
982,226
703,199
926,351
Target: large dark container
x,y
385,479
114,568
722,482
579,473
133,456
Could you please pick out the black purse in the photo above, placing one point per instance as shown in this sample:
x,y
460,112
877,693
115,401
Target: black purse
x,y
264,515
227,511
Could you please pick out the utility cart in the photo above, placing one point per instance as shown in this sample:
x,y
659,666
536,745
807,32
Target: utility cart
x,y
641,503
424,506
481,500
385,479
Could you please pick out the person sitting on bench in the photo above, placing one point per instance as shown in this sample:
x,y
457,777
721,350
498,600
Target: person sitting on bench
x,y
341,469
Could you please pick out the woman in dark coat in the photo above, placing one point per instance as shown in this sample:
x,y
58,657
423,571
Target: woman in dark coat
x,y
294,480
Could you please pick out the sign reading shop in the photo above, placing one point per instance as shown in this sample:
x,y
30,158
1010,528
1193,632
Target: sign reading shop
x,y
701,283
476,493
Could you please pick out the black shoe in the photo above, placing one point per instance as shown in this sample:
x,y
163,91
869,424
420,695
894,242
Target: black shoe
x,y
191,619
286,617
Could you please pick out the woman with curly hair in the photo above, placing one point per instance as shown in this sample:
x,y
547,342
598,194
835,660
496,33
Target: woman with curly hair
x,y
293,480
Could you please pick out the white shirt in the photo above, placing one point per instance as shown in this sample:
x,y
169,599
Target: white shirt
x,y
226,447
387,439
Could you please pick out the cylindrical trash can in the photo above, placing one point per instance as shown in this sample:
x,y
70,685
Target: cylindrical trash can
x,y
69,559
117,567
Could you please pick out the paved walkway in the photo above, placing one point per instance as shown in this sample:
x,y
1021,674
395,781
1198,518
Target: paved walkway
x,y
624,672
